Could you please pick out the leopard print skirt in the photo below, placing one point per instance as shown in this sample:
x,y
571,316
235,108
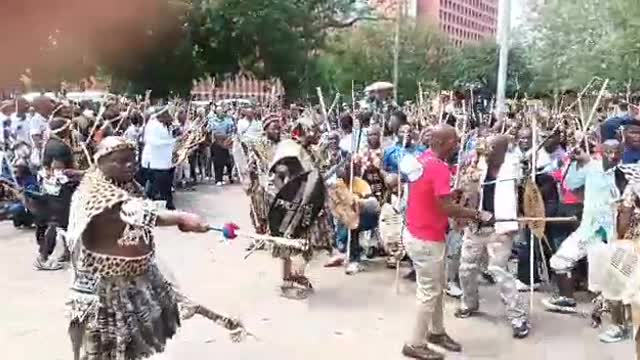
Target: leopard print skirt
x,y
120,309
320,236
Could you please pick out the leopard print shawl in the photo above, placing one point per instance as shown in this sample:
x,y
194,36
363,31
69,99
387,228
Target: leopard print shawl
x,y
94,195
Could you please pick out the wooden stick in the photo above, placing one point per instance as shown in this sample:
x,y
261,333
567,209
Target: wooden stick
x,y
323,107
545,219
353,97
441,110
581,93
463,140
534,158
334,102
396,283
595,105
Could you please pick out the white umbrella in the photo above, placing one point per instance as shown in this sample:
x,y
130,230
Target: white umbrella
x,y
378,86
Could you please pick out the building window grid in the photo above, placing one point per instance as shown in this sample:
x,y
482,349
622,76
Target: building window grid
x,y
463,23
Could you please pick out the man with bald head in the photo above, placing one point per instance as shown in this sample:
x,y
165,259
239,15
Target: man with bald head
x,y
498,195
429,206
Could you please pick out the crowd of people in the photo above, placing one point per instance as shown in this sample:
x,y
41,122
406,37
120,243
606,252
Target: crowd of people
x,y
447,191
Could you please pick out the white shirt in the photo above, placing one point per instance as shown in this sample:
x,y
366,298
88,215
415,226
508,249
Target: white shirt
x,y
346,142
132,134
3,118
249,129
20,128
38,125
158,146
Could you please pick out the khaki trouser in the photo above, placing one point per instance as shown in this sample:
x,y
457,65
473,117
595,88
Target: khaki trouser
x,y
428,261
635,318
498,247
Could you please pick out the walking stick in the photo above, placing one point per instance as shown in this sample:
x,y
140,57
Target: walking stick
x,y
355,144
399,258
534,158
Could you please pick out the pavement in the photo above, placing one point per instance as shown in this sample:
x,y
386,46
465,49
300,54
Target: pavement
x,y
349,317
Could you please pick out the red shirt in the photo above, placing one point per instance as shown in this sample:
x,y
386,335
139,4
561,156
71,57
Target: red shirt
x,y
425,219
568,197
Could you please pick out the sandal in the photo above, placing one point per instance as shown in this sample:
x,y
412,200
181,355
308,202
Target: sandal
x,y
296,287
293,292
45,266
302,281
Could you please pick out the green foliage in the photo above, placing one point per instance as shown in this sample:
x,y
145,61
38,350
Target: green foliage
x,y
575,41
163,44
269,38
477,65
366,54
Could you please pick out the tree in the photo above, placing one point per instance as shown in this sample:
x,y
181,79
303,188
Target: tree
x,y
142,43
269,38
477,65
365,54
572,42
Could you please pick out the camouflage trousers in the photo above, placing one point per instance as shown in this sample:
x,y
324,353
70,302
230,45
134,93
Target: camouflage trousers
x,y
498,248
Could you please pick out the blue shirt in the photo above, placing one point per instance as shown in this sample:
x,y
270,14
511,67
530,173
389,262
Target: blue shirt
x,y
224,126
394,154
600,191
609,128
630,156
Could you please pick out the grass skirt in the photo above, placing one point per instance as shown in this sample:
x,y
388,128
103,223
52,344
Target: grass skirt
x,y
122,318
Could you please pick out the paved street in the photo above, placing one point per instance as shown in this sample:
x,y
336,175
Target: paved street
x,y
357,317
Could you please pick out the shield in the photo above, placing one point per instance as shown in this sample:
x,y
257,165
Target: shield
x,y
297,205
50,208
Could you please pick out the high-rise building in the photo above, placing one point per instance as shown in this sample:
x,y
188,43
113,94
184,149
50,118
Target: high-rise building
x,y
462,20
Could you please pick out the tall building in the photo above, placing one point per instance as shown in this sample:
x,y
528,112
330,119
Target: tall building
x,y
462,20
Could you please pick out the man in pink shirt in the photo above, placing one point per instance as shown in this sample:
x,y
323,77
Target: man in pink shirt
x,y
429,205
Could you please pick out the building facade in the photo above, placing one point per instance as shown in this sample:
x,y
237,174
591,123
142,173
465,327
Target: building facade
x,y
462,20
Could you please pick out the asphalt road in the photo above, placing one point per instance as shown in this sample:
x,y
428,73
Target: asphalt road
x,y
358,317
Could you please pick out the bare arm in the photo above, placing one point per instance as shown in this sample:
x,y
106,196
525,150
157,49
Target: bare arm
x,y
169,218
453,210
185,221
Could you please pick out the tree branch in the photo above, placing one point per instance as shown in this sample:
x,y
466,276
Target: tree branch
x,y
335,24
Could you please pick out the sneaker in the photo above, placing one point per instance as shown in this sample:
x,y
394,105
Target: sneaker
x,y
453,290
614,334
421,352
219,183
353,268
520,328
560,304
445,342
522,287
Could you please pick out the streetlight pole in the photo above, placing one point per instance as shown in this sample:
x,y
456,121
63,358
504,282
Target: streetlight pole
x,y
396,49
504,24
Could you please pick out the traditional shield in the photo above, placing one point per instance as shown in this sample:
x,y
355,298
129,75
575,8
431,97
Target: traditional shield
x,y
297,205
51,208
